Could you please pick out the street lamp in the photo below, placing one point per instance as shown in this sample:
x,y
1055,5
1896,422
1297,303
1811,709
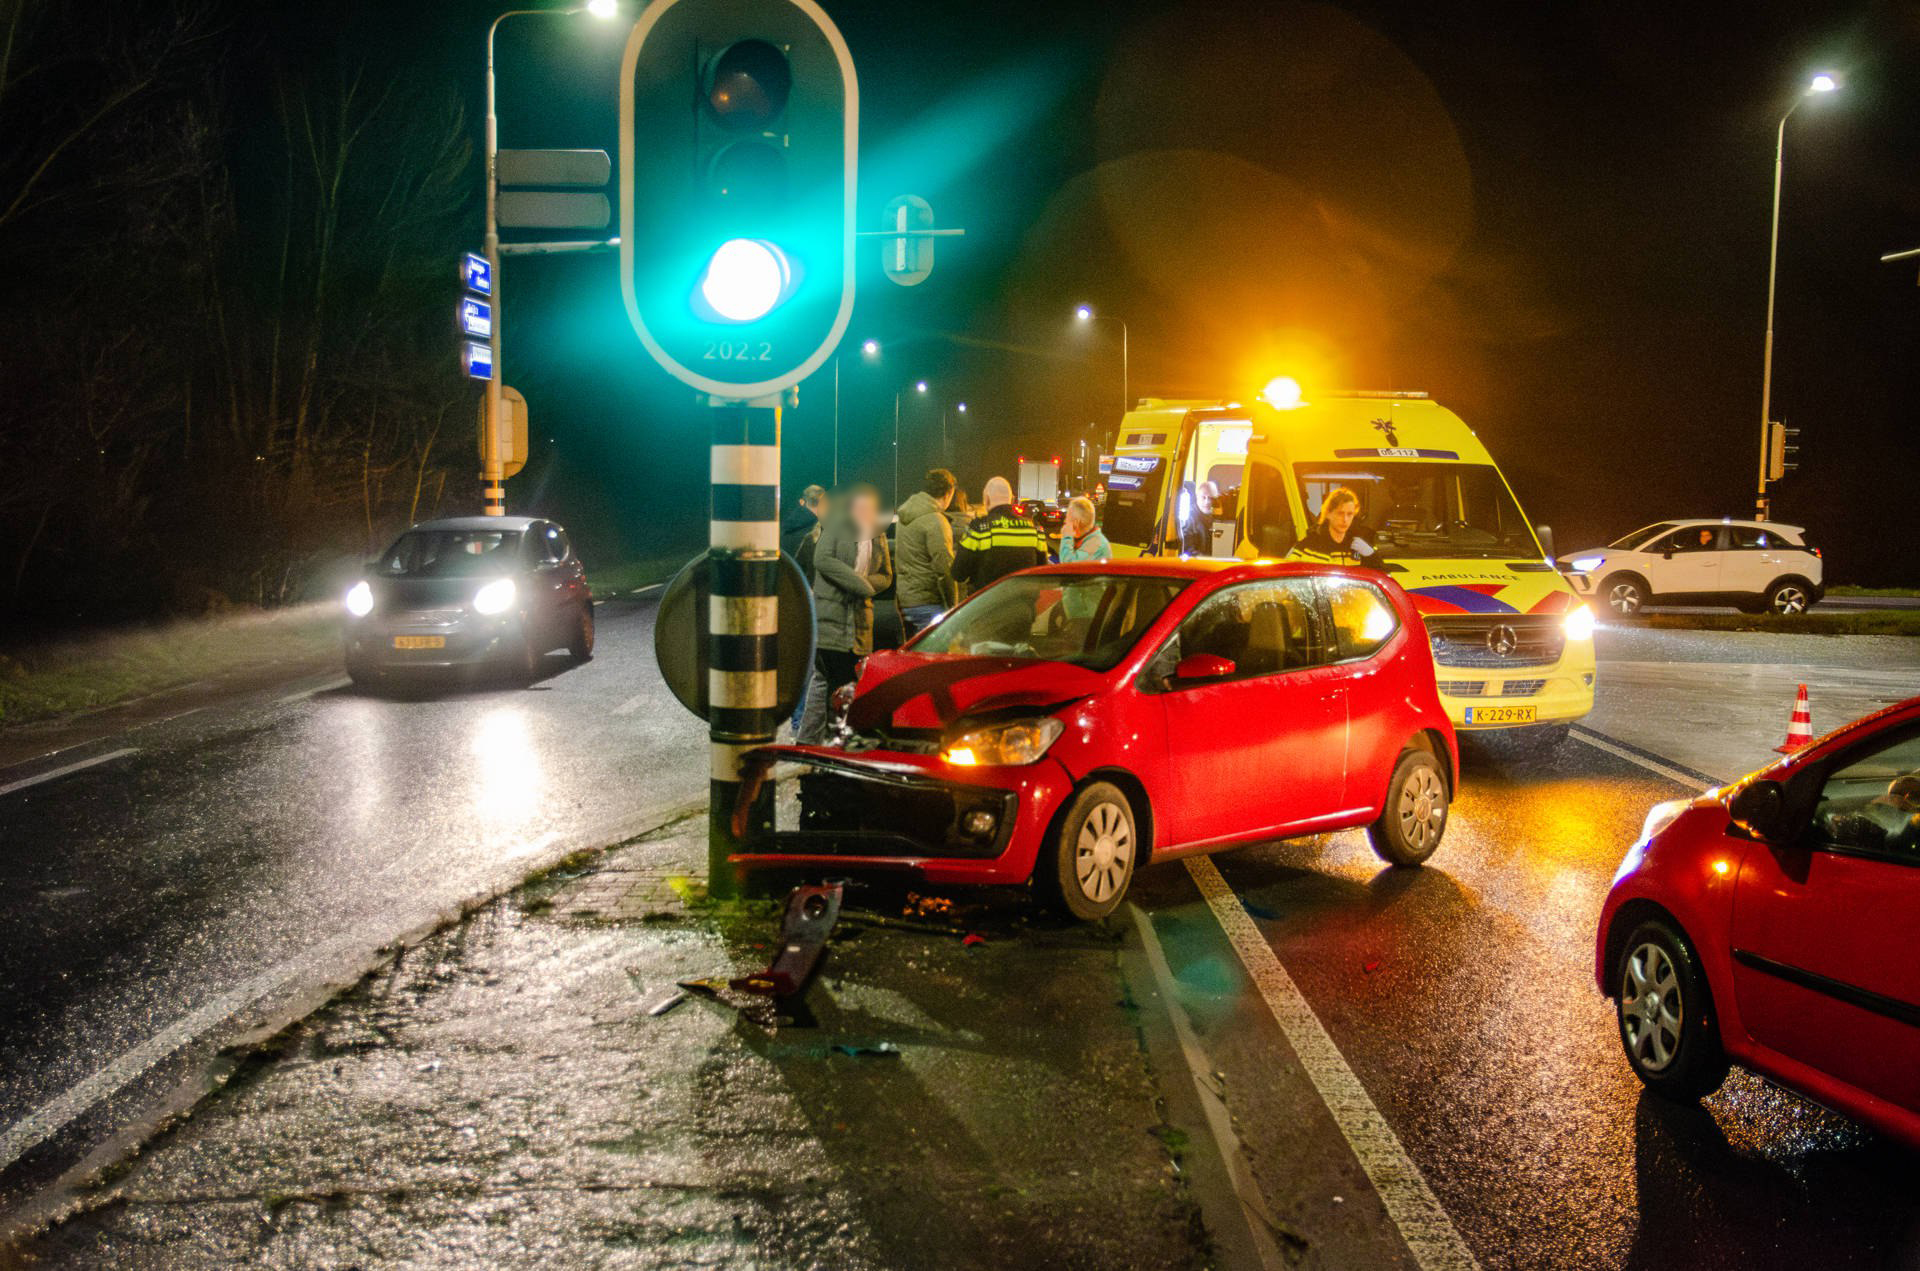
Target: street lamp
x,y
493,468
869,349
1085,313
1819,84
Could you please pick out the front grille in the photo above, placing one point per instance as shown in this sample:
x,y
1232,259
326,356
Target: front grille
x,y
1463,688
1521,688
1537,641
425,617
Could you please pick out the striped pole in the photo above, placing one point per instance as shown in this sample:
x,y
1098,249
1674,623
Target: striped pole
x,y
743,555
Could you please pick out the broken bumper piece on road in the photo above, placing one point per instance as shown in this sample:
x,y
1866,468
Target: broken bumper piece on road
x,y
890,810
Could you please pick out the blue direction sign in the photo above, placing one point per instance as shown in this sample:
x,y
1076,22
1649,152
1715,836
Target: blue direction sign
x,y
478,274
479,359
476,317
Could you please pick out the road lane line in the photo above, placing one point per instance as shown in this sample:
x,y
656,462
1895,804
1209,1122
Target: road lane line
x,y
24,782
305,693
1683,776
1415,1210
633,703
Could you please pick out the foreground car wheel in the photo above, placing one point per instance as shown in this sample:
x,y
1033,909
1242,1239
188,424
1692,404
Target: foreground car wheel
x,y
1624,594
580,647
1667,1026
1415,817
1091,864
1789,597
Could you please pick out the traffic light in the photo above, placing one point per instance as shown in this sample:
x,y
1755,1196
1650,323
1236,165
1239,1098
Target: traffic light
x,y
1780,451
738,140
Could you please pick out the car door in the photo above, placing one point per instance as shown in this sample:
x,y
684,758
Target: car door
x,y
1264,748
1752,559
1824,968
548,577
1681,564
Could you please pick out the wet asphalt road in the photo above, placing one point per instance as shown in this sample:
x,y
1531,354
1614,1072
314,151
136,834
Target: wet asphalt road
x,y
238,839
1460,995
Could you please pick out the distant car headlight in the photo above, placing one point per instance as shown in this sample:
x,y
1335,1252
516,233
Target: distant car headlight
x,y
495,597
1587,564
1021,742
360,599
1579,623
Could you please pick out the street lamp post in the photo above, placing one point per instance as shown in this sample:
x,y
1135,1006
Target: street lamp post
x,y
493,466
1819,84
920,386
869,349
1085,313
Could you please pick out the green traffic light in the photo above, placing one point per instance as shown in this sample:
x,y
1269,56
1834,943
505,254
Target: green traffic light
x,y
745,280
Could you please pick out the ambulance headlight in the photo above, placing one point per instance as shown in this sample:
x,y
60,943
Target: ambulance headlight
x,y
1022,741
1579,623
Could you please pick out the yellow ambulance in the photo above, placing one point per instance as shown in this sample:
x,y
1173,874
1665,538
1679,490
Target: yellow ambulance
x,y
1512,643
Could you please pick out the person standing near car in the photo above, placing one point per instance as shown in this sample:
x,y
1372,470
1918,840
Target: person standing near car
x,y
851,565
999,543
923,550
809,713
1081,539
1336,538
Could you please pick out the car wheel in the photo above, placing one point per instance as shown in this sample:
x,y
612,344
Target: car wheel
x,y
580,647
1789,596
1667,1024
1415,816
1625,594
1093,858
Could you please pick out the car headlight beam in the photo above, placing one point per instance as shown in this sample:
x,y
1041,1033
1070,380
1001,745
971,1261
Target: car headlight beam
x,y
495,597
359,599
1022,741
1579,623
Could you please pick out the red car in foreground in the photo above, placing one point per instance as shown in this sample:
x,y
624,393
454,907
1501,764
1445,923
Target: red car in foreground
x,y
1775,923
1070,724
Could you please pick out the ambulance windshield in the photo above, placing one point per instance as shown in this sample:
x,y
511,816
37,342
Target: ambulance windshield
x,y
1413,510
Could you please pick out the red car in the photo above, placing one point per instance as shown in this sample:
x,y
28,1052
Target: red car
x,y
1070,724
1772,924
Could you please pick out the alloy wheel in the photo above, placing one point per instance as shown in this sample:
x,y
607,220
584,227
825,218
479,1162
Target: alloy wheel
x,y
1651,1009
1789,599
1624,598
1103,854
1423,808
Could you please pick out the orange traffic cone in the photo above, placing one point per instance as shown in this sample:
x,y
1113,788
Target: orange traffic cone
x,y
1800,727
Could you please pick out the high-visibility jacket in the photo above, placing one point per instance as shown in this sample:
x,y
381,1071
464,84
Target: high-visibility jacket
x,y
998,544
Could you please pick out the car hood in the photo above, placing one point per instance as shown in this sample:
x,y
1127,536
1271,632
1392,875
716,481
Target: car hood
x,y
1440,587
930,691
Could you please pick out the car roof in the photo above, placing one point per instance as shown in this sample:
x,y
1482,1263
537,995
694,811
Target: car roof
x,y
470,523
1689,522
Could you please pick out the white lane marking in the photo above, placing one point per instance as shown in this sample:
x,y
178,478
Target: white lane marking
x,y
1260,1222
1415,1210
303,694
633,703
641,591
24,782
1658,769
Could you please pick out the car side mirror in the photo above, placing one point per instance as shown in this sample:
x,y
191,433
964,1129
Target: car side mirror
x,y
1203,666
1760,808
1545,534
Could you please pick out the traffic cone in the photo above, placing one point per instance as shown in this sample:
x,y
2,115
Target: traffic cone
x,y
1800,727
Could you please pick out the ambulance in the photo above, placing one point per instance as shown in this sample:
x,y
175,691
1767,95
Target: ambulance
x,y
1512,644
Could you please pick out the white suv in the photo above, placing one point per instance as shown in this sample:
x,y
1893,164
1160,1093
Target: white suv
x,y
1755,566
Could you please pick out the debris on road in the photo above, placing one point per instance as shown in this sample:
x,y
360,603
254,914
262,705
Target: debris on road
x,y
810,915
878,1050
665,1000
972,938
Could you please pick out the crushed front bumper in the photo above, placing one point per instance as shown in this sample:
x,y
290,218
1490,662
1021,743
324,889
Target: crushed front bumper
x,y
891,810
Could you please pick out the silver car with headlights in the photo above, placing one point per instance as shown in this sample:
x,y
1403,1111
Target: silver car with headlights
x,y
469,592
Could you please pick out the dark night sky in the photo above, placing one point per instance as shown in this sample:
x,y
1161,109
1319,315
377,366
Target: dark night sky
x,y
1553,218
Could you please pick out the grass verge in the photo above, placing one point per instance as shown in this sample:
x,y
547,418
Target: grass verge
x,y
1872,591
1900,622
616,580
48,681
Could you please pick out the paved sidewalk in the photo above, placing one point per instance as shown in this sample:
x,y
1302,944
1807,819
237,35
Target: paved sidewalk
x,y
499,1097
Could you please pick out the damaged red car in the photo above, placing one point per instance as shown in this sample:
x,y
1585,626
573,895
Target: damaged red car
x,y
1068,725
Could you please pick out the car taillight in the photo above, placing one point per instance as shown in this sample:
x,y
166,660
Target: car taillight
x,y
1814,550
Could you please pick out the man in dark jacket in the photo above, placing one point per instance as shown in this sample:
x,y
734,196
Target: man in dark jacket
x,y
801,519
923,554
998,543
851,565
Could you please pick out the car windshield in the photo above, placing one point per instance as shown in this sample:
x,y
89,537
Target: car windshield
x,y
1090,620
1427,509
450,554
1641,535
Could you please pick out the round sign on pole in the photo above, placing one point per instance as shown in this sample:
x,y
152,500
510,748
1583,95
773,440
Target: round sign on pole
x,y
681,626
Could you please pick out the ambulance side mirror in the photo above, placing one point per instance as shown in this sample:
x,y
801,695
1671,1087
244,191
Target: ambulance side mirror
x,y
1545,534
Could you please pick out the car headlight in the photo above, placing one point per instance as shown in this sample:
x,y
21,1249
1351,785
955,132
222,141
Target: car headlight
x,y
1579,623
360,599
1021,742
495,597
1587,564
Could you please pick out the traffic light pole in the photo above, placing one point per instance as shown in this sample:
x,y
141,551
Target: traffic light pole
x,y
492,470
743,553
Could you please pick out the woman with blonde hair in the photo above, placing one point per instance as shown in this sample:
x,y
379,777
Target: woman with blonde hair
x,y
1336,538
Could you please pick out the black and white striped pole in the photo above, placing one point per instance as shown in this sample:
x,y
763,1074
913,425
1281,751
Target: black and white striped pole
x,y
743,551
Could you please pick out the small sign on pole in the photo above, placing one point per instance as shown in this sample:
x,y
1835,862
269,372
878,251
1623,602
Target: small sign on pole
x,y
477,273
479,360
476,317
514,437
